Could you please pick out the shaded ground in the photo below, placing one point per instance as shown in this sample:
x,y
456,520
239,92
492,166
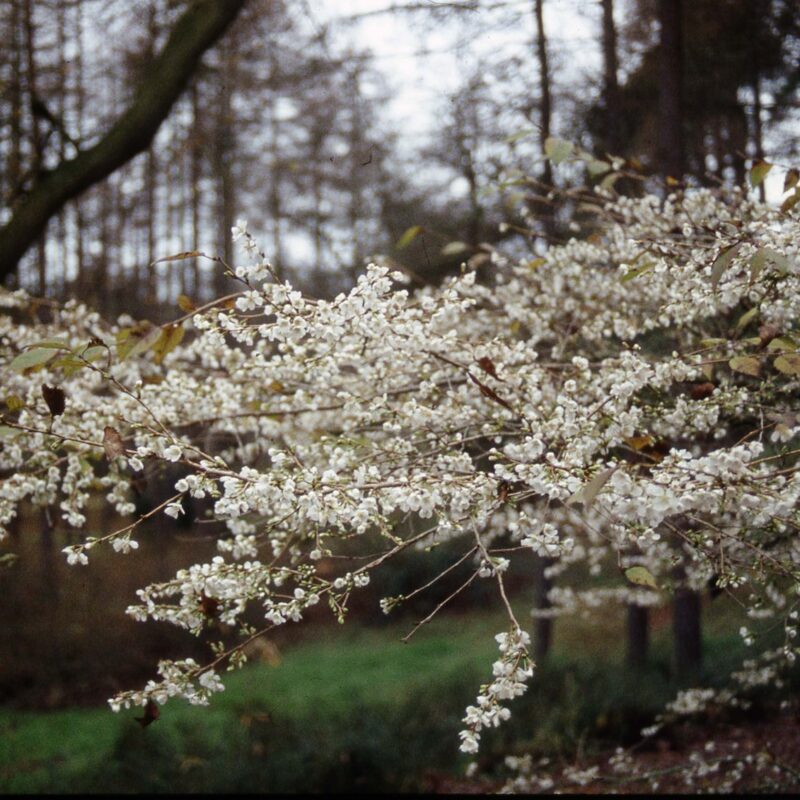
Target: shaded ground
x,y
755,757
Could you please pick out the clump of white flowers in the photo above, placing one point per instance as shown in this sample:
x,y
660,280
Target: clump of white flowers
x,y
511,672
529,414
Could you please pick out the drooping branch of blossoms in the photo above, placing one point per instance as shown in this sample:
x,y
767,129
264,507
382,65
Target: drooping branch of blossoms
x,y
627,402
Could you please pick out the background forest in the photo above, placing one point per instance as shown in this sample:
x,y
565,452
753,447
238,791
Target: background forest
x,y
289,121
407,133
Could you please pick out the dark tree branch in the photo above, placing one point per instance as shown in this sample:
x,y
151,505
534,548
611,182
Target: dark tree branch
x,y
204,22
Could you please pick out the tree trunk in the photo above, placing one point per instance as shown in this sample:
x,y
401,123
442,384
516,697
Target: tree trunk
x,y
545,106
543,626
195,178
671,142
198,28
755,86
637,640
688,647
611,93
37,140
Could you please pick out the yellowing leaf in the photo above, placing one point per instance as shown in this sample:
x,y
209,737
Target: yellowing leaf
x,y
759,171
14,402
641,576
170,337
408,237
185,304
791,201
790,179
454,249
589,491
640,442
788,363
748,365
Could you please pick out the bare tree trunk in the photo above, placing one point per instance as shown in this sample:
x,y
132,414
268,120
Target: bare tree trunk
x,y
150,178
545,105
224,147
755,85
672,147
687,635
37,141
611,93
543,626
274,197
80,107
195,177
14,165
686,622
637,639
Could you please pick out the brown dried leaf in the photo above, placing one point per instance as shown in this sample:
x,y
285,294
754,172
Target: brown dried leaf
x,y
186,304
151,713
490,393
209,606
180,256
702,390
112,443
487,365
55,399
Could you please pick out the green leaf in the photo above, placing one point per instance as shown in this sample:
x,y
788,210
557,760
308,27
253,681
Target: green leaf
x,y
764,256
515,137
636,272
132,342
722,262
408,237
782,343
788,363
759,171
746,319
641,576
609,180
597,167
748,365
70,364
32,358
53,344
14,402
557,150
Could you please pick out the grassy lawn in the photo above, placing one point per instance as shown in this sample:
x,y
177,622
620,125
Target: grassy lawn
x,y
352,708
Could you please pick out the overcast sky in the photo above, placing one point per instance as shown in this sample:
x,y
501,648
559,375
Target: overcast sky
x,y
422,61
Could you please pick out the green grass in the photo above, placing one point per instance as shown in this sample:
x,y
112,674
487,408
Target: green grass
x,y
356,709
